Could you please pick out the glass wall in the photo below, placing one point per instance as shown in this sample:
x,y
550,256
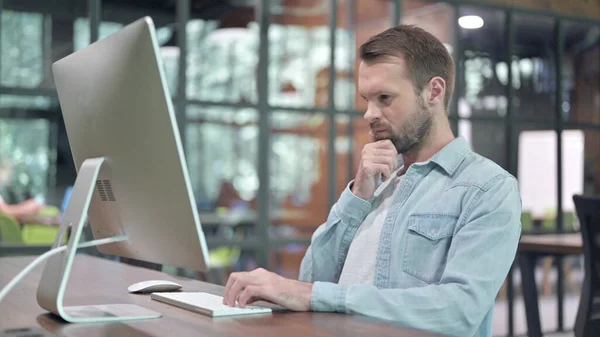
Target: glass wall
x,y
533,65
222,58
222,154
580,73
482,83
22,65
25,154
31,38
580,106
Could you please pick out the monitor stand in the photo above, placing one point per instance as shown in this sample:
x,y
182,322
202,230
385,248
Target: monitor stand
x,y
52,286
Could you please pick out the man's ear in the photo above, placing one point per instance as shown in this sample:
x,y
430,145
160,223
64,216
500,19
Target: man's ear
x,y
436,92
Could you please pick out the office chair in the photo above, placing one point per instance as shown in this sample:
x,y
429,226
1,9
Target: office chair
x,y
587,322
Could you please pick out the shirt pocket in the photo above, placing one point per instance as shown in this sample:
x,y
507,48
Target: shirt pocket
x,y
426,245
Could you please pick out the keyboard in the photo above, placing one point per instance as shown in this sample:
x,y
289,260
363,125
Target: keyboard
x,y
206,304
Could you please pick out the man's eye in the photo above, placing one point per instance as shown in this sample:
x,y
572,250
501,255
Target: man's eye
x,y
384,98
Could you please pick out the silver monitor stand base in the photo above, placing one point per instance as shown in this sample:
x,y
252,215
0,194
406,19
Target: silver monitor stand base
x,y
52,286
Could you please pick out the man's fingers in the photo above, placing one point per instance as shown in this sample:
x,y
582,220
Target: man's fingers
x,y
237,283
378,152
383,169
227,294
235,289
250,294
390,161
230,281
384,144
386,171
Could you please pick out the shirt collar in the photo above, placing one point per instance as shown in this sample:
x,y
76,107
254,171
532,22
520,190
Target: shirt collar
x,y
452,155
449,157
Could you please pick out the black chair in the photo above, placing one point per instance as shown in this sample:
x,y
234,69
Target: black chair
x,y
587,322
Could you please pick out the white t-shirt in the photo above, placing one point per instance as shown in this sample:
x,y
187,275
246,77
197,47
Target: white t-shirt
x,y
359,267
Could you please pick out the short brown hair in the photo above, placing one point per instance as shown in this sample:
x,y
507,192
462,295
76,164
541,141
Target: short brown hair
x,y
425,56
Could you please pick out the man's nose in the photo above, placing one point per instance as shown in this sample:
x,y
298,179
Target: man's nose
x,y
372,113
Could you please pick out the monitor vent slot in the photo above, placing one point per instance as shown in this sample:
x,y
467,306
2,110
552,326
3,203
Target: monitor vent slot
x,y
109,191
105,190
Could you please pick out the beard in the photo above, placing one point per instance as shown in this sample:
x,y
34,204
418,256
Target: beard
x,y
413,133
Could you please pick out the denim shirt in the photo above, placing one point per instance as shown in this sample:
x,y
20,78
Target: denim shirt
x,y
447,244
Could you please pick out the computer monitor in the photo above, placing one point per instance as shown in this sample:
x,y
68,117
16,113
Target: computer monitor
x,y
132,172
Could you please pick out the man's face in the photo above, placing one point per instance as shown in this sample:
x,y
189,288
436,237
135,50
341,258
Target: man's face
x,y
395,111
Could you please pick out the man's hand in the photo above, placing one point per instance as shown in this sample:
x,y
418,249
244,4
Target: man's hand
x,y
378,158
249,287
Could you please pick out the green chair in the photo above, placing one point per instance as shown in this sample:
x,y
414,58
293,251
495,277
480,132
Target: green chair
x,y
526,222
10,230
549,222
35,234
11,239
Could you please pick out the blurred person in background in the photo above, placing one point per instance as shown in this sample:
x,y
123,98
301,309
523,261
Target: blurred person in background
x,y
21,211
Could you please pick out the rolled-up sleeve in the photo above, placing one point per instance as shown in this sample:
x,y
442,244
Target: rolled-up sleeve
x,y
330,242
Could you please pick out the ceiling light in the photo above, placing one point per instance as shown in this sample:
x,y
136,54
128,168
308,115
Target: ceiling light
x,y
470,22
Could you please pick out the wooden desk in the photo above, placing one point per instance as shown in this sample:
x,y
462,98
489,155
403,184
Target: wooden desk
x,y
530,248
98,281
554,244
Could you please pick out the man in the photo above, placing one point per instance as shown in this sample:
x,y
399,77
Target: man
x,y
426,233
20,211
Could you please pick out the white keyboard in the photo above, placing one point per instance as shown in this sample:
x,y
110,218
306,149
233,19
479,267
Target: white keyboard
x,y
206,304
